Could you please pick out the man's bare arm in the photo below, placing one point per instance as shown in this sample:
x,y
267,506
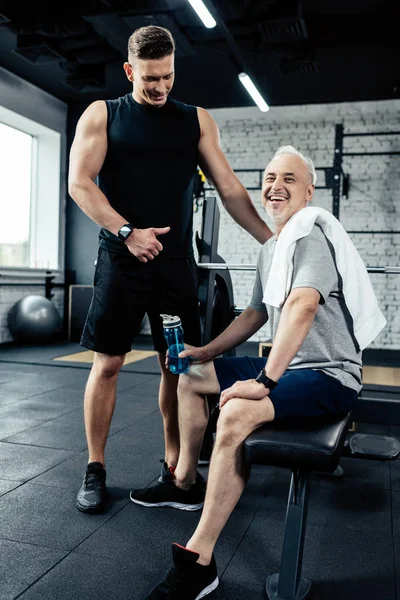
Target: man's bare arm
x,y
239,331
88,152
87,155
296,319
233,194
297,316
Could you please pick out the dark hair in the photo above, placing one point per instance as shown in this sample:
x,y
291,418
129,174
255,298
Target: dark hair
x,y
150,42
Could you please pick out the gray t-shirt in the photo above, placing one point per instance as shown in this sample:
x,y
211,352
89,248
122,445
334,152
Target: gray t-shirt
x,y
330,345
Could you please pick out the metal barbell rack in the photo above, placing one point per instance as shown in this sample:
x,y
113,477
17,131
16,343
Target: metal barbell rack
x,y
249,267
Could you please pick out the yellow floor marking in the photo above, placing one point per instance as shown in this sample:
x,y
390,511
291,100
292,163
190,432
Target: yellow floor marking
x,y
381,375
86,356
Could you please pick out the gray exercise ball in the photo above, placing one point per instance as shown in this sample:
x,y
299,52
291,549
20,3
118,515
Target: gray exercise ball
x,y
33,319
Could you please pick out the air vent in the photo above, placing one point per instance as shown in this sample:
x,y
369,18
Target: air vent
x,y
37,51
309,68
284,30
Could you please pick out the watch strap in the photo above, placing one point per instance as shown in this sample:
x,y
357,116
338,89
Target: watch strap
x,y
263,378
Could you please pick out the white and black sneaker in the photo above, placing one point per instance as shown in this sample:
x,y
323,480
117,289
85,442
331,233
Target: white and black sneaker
x,y
166,493
165,474
186,579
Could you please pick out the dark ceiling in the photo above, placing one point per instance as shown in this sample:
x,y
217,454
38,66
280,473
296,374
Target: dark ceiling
x,y
297,52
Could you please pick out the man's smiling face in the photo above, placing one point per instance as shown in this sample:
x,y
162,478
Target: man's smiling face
x,y
287,187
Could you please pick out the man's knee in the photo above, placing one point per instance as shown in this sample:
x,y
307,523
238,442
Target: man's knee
x,y
195,380
237,421
107,366
233,423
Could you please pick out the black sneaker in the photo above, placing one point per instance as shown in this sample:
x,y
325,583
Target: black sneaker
x,y
186,579
92,497
166,470
166,493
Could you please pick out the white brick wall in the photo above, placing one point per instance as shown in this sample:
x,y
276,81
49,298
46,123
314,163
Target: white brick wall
x,y
249,138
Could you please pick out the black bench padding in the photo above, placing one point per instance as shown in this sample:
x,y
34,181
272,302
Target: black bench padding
x,y
311,445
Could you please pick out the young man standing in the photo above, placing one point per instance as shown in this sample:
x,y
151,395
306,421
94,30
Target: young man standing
x,y
144,148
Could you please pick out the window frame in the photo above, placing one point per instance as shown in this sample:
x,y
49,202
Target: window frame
x,y
33,111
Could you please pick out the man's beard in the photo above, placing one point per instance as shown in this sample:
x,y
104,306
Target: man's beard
x,y
277,218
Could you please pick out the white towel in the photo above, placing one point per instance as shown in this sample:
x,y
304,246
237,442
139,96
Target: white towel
x,y
358,293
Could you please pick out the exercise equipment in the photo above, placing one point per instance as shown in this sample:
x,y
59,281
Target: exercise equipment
x,y
310,446
313,445
341,181
248,267
216,306
33,319
198,189
39,279
215,289
46,280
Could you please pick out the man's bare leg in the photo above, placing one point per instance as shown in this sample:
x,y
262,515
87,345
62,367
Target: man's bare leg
x,y
99,406
168,403
99,402
193,418
228,471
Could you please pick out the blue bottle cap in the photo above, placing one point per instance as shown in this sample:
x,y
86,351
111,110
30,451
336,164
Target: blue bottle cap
x,y
170,320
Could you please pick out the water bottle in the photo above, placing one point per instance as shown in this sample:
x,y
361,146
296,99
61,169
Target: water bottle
x,y
173,333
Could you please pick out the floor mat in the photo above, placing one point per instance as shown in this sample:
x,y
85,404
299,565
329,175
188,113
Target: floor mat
x,y
87,356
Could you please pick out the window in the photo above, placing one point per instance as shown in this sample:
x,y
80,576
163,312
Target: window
x,y
15,196
30,161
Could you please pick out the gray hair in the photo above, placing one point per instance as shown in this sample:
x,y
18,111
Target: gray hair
x,y
306,160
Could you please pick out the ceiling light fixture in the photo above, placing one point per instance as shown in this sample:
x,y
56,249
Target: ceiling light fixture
x,y
203,13
253,91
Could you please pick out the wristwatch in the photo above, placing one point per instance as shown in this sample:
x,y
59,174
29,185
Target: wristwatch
x,y
263,378
125,232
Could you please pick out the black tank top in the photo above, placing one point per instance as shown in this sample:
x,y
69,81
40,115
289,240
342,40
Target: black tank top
x,y
149,170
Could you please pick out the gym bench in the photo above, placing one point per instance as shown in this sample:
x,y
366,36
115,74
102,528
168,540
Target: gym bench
x,y
304,447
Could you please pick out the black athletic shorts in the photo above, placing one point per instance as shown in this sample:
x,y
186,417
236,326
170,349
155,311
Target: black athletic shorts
x,y
125,289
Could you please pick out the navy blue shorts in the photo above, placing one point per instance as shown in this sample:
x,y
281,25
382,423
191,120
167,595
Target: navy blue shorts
x,y
300,392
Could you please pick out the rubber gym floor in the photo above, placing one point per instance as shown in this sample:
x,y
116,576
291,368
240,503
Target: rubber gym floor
x,y
49,550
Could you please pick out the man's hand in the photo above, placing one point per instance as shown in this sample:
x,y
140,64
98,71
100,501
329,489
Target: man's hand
x,y
197,355
144,244
248,390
